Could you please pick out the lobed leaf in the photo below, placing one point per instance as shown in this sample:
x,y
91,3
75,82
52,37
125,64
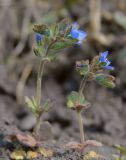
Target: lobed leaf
x,y
32,104
76,101
84,70
46,106
105,80
42,29
83,67
53,30
63,43
39,51
62,26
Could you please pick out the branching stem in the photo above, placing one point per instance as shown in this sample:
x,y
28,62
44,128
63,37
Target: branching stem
x,y
39,89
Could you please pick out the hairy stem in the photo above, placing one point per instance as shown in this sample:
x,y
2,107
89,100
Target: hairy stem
x,y
81,127
39,82
82,85
40,75
37,126
39,93
39,88
80,120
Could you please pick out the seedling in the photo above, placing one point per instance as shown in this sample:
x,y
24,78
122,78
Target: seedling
x,y
122,153
90,71
50,40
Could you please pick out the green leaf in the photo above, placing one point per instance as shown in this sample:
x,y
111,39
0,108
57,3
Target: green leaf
x,y
59,45
53,30
83,67
95,60
42,29
62,26
39,51
46,42
76,101
102,64
36,51
120,149
32,104
124,157
63,43
46,106
53,54
105,80
84,70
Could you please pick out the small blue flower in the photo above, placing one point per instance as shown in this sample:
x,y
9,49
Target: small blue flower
x,y
78,34
38,38
103,58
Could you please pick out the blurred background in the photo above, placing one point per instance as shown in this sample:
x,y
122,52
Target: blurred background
x,y
105,23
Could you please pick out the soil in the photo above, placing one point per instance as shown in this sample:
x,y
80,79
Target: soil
x,y
61,151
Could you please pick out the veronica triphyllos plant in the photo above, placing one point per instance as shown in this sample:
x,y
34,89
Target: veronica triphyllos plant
x,y
90,71
50,41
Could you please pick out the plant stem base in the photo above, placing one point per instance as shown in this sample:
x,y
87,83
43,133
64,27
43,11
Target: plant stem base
x,y
81,146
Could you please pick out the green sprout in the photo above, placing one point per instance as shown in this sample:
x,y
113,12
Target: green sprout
x,y
89,72
122,153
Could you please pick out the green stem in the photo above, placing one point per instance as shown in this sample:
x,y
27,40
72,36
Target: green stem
x,y
82,85
80,120
37,126
39,94
39,88
39,82
40,75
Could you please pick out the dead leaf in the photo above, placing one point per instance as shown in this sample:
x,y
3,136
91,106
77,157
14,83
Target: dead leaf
x,y
46,152
18,155
81,146
92,143
74,145
27,140
31,155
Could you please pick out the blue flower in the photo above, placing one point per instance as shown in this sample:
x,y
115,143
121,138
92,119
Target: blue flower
x,y
78,34
38,38
103,58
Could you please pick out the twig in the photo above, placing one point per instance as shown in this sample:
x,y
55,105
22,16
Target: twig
x,y
20,86
95,16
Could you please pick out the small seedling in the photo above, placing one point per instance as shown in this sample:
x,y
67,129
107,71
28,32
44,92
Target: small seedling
x,y
50,40
90,71
122,153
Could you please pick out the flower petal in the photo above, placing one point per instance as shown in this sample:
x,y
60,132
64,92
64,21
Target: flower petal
x,y
74,33
82,35
78,34
104,54
75,26
108,67
102,59
108,62
38,38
